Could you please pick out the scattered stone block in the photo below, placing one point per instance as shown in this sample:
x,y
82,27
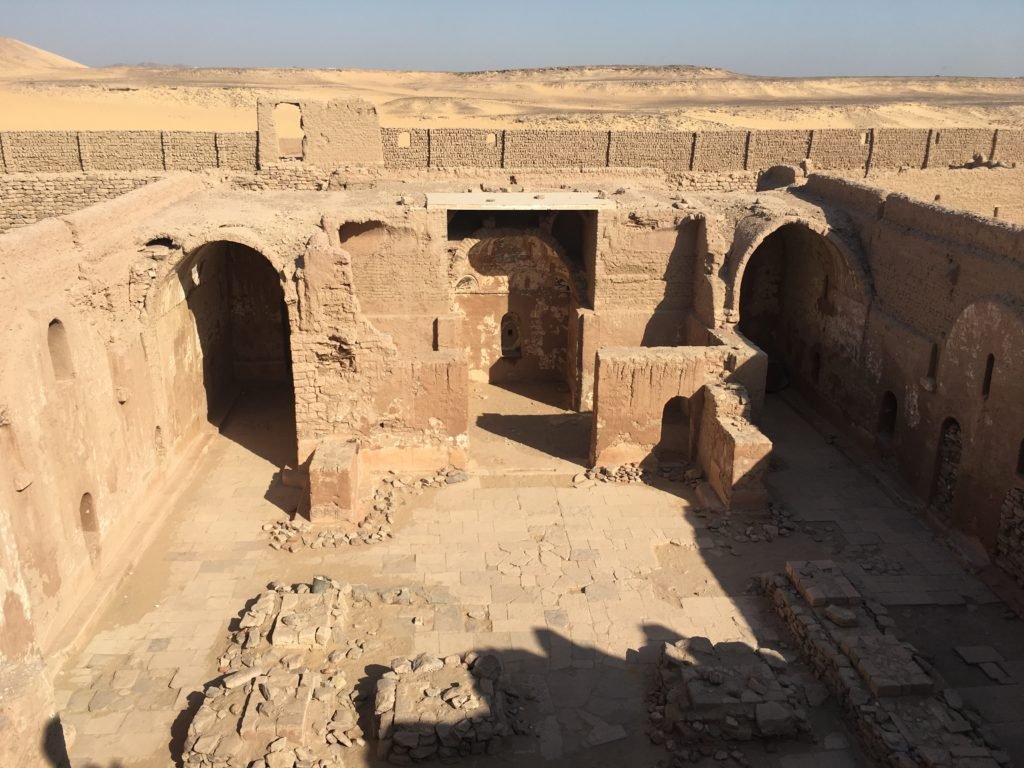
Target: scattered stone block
x,y
430,708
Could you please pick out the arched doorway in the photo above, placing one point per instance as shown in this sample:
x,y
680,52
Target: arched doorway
x,y
804,305
674,446
236,299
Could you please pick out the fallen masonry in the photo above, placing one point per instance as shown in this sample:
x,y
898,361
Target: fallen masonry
x,y
427,708
298,533
282,702
710,695
902,716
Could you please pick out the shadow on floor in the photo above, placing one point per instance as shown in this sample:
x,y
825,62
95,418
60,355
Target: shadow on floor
x,y
563,436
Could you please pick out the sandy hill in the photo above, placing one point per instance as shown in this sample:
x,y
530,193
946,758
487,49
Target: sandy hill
x,y
16,55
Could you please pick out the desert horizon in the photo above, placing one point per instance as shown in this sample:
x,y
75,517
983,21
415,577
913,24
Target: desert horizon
x,y
40,90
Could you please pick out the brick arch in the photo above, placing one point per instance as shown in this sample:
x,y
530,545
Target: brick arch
x,y
752,231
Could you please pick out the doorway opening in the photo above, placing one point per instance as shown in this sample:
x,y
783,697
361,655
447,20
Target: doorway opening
x,y
236,299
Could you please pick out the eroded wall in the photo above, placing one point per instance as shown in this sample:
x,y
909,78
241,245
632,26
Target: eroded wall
x,y
948,293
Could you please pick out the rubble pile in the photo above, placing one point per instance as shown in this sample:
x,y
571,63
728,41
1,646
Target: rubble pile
x,y
711,696
283,702
727,529
626,473
885,684
296,534
428,708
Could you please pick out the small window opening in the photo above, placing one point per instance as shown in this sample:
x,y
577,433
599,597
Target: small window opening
x,y
933,362
865,137
404,140
290,135
60,351
986,385
887,415
90,524
937,135
491,139
511,341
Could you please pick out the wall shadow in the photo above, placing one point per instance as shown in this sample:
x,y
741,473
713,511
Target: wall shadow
x,y
563,436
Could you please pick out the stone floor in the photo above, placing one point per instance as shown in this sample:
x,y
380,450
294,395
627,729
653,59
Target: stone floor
x,y
578,586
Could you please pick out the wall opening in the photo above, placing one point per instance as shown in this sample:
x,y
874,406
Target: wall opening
x,y
353,229
289,130
242,328
463,224
404,140
518,309
804,306
933,362
60,351
89,524
950,452
887,416
986,384
674,446
511,338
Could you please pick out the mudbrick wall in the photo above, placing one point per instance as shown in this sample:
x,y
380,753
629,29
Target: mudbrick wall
x,y
672,151
945,338
78,151
26,198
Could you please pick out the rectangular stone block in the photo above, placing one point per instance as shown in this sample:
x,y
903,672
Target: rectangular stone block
x,y
334,483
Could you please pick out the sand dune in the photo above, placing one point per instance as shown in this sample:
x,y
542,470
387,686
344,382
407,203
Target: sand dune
x,y
39,90
16,56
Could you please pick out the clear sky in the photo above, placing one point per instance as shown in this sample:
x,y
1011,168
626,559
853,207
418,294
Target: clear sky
x,y
764,37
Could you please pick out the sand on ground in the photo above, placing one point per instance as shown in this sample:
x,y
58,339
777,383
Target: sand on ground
x,y
42,91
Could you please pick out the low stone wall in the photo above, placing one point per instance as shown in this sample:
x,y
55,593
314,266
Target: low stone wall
x,y
894,704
